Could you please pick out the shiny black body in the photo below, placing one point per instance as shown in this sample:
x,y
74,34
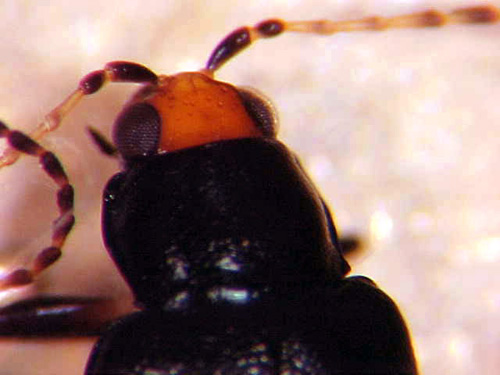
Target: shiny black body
x,y
234,261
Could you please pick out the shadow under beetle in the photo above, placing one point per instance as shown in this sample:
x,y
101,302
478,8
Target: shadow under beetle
x,y
231,253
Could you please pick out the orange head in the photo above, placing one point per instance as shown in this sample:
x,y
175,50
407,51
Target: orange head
x,y
187,110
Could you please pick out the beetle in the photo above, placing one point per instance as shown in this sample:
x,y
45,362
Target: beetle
x,y
118,66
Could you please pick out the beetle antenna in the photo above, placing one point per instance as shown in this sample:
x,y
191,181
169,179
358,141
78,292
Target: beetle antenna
x,y
116,71
241,38
62,226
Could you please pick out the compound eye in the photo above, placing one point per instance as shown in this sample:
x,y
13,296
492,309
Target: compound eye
x,y
137,130
260,109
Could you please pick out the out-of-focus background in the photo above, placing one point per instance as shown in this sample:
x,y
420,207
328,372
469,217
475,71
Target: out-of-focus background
x,y
399,129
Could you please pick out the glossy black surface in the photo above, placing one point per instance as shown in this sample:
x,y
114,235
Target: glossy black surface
x,y
349,328
234,260
238,214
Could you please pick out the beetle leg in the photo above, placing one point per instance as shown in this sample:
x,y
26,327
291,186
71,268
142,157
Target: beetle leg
x,y
103,144
57,316
350,244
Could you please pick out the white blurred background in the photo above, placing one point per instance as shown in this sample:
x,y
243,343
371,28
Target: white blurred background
x,y
399,129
